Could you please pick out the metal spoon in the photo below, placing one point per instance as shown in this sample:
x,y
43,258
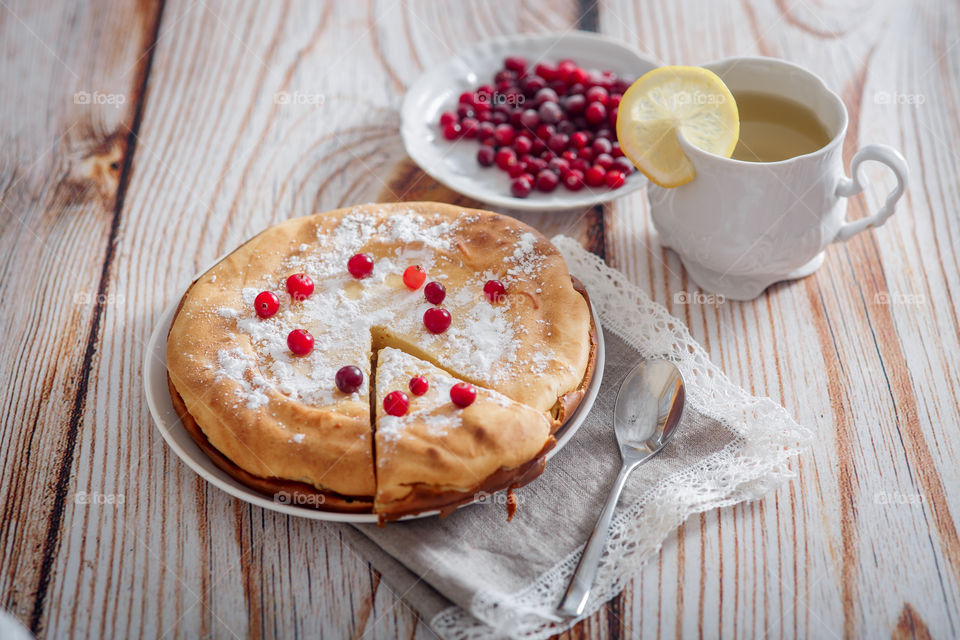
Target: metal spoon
x,y
647,412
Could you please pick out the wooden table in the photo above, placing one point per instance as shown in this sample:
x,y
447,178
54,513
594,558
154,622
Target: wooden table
x,y
140,141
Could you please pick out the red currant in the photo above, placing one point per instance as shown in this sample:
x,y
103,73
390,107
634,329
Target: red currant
x,y
434,292
414,276
436,319
396,403
360,265
300,342
419,385
494,290
463,394
266,303
349,378
299,286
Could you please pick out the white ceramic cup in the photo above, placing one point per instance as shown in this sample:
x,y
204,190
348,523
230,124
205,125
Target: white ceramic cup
x,y
741,226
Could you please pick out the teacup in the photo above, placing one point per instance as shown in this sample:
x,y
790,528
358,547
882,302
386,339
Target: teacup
x,y
741,226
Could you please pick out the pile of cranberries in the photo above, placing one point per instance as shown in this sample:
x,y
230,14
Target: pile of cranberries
x,y
551,125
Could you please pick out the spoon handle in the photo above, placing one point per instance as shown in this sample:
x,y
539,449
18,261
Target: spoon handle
x,y
578,592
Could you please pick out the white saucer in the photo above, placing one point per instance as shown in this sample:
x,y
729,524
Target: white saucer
x,y
168,423
454,163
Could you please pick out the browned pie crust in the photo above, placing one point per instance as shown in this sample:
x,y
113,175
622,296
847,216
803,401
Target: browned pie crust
x,y
423,497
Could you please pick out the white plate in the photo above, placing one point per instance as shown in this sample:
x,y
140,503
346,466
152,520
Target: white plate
x,y
170,427
454,163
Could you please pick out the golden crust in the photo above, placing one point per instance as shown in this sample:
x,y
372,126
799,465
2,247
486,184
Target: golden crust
x,y
325,442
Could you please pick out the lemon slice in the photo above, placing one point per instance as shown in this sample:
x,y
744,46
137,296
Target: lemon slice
x,y
692,101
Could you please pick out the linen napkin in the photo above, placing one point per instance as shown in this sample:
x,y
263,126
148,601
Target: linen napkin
x,y
475,575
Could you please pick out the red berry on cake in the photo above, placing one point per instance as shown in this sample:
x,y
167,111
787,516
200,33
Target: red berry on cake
x,y
494,290
299,286
266,304
419,385
414,276
396,403
360,265
300,342
463,394
434,292
436,320
349,378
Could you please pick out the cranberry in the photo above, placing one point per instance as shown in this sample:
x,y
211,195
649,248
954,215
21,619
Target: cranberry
x,y
578,140
505,157
418,385
546,71
616,152
604,160
413,276
465,111
521,187
485,130
614,101
360,265
547,181
558,142
434,292
503,134
299,286
466,98
569,155
494,290
566,127
594,176
573,180
504,75
349,378
576,89
580,165
565,68
436,319
575,105
623,164
463,394
595,113
559,165
486,156
601,145
545,95
539,146
606,134
447,117
550,112
597,94
531,84
484,90
522,144
515,63
451,131
498,117
578,76
530,119
396,403
614,179
300,342
266,304
469,127
586,153
612,116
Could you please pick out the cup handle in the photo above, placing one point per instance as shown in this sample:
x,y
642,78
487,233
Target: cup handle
x,y
852,186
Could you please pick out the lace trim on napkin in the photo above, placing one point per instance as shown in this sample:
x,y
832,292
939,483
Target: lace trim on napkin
x,y
752,464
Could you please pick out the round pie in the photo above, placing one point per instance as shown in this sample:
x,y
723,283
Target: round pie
x,y
493,386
